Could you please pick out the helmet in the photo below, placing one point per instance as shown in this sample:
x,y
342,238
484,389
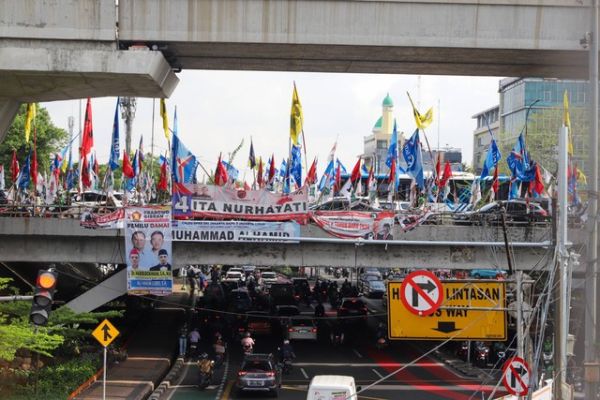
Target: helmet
x,y
286,341
247,334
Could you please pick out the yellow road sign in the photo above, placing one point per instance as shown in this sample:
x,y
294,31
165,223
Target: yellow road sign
x,y
471,310
105,333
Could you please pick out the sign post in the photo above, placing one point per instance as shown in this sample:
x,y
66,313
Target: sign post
x,y
105,333
470,310
515,376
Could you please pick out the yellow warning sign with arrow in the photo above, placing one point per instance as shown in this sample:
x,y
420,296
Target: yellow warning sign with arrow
x,y
471,310
105,333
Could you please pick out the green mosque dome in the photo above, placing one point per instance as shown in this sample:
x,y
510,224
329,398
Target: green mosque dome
x,y
387,102
378,123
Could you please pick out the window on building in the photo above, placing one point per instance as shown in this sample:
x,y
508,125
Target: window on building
x,y
382,144
547,96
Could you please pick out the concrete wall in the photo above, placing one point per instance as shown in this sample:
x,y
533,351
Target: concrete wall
x,y
58,240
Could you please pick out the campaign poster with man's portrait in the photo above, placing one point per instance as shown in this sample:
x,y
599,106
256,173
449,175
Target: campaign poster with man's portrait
x,y
148,250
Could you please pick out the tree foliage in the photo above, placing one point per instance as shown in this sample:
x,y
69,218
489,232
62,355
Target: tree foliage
x,y
49,140
16,332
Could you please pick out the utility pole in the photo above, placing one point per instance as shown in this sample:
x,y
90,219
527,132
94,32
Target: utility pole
x,y
591,295
562,311
128,106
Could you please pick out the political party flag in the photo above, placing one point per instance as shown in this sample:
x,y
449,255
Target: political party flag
x,y
414,159
311,175
113,161
447,174
232,172
271,175
29,117
162,181
328,175
183,161
338,178
350,183
221,177
87,141
392,153
165,119
296,165
260,173
491,160
423,120
127,167
24,176
14,167
296,118
34,163
251,156
518,160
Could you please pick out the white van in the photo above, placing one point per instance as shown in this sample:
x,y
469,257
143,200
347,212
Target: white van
x,y
331,387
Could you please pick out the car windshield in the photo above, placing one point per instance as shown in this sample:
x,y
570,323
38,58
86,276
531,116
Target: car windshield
x,y
370,277
377,285
233,274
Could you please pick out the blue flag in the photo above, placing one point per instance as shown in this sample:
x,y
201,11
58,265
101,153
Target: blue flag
x,y
296,167
518,160
491,161
414,159
23,179
326,180
283,169
342,168
392,153
113,161
183,163
232,172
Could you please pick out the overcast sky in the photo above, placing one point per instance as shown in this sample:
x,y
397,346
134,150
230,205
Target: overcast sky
x,y
216,109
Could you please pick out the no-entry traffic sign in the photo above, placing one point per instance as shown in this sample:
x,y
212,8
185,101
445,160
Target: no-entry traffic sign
x,y
515,376
421,293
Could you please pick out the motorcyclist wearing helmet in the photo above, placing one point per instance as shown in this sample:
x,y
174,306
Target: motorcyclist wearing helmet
x,y
247,342
286,351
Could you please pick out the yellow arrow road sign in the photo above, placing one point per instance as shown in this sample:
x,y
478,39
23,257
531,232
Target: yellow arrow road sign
x,y
105,333
473,310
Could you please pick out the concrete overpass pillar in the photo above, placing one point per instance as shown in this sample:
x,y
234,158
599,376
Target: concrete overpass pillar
x,y
8,111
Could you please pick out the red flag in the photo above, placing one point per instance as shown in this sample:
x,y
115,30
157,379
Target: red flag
x,y
447,174
495,183
162,181
438,170
14,167
355,176
311,175
259,178
338,179
87,141
221,177
538,184
127,168
392,177
272,169
95,167
85,174
34,167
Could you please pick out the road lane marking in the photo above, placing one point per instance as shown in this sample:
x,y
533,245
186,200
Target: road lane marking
x,y
223,378
406,388
181,378
304,373
358,365
377,373
227,391
357,353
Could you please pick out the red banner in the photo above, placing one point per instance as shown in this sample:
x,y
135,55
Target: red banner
x,y
356,224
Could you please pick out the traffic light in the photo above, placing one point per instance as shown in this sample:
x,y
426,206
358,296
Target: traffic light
x,y
45,286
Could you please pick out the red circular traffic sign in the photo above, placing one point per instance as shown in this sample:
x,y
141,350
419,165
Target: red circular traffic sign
x,y
515,376
421,293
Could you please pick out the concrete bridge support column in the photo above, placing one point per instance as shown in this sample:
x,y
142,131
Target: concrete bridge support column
x,y
8,111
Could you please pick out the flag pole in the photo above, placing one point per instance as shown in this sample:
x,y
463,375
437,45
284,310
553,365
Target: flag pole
x,y
151,175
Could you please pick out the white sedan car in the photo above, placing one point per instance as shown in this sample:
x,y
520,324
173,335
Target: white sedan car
x,y
302,328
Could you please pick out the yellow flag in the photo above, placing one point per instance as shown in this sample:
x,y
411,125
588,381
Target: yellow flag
x,y
29,117
165,118
422,120
296,118
581,177
567,121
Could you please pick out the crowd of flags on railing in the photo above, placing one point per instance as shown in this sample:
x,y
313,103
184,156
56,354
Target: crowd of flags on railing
x,y
180,166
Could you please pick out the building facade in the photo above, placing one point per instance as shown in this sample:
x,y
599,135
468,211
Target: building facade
x,y
376,145
487,120
544,97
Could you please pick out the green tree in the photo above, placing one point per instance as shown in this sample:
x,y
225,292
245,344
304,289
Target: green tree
x,y
50,139
542,137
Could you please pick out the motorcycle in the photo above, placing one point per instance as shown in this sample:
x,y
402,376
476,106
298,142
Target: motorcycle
x,y
482,355
463,351
337,338
220,348
206,367
286,366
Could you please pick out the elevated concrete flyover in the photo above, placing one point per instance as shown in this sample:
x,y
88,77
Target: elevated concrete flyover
x,y
68,49
538,38
450,247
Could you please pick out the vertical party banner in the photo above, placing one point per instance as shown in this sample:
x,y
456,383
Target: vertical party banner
x,y
148,250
